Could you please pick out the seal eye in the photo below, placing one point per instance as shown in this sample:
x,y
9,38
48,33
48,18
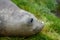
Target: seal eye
x,y
31,20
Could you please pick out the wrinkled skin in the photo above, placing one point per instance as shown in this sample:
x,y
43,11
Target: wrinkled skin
x,y
17,22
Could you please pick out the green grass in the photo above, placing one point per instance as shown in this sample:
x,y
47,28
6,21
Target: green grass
x,y
42,10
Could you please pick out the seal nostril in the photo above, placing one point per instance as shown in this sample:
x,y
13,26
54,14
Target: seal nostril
x,y
31,20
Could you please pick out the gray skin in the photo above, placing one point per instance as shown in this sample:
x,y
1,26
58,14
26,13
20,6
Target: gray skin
x,y
17,22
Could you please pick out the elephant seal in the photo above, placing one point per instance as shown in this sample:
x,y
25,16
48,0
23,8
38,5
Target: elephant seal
x,y
17,22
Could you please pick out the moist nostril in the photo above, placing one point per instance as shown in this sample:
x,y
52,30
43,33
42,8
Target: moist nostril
x,y
31,20
42,22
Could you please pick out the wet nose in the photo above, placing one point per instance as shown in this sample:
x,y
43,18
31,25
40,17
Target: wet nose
x,y
42,22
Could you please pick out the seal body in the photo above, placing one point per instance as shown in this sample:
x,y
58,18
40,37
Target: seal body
x,y
17,22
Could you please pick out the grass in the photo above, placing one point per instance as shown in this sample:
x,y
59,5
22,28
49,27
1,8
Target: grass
x,y
42,10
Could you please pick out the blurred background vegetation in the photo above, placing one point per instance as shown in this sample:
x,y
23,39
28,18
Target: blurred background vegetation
x,y
42,9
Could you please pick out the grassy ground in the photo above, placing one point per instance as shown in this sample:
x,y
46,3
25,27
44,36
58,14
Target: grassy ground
x,y
42,10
